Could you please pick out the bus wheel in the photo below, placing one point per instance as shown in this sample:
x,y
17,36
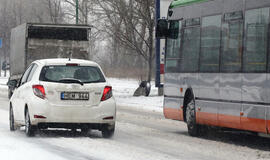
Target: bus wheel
x,y
193,128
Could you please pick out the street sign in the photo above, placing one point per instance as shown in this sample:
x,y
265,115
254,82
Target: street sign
x,y
0,42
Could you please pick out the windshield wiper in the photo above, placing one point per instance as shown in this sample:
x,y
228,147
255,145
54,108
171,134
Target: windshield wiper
x,y
71,80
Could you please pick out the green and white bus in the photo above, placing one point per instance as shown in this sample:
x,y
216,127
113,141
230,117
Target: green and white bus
x,y
217,65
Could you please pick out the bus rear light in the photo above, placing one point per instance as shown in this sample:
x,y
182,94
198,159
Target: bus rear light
x,y
39,91
107,93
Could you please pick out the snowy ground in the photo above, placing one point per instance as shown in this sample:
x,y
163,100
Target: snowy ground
x,y
123,90
3,87
141,133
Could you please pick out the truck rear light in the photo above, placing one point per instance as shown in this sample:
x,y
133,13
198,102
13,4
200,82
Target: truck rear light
x,y
107,93
39,91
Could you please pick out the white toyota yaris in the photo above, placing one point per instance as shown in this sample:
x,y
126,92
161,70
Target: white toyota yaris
x,y
63,93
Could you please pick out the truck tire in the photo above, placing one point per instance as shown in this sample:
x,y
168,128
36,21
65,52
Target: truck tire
x,y
193,128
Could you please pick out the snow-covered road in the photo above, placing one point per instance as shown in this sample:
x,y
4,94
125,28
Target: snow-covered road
x,y
141,133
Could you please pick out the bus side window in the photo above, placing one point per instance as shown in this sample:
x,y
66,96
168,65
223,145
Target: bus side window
x,y
210,44
191,46
173,47
256,31
232,40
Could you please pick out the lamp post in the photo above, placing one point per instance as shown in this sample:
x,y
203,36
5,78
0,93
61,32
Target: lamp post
x,y
77,11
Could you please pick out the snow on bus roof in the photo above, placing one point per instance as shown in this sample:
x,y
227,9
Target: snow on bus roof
x,y
177,3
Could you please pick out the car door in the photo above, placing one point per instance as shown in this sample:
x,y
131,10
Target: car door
x,y
18,104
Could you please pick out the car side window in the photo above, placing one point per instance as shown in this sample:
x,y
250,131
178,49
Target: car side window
x,y
32,73
25,75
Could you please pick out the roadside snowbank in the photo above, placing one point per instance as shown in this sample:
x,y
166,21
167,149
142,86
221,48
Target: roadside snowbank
x,y
3,87
123,90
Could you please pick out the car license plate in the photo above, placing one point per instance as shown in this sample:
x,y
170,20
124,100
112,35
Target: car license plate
x,y
74,96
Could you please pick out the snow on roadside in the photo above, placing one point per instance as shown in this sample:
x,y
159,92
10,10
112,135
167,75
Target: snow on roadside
x,y
3,80
3,87
13,147
123,90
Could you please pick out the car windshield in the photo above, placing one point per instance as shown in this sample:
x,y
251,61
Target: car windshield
x,y
63,74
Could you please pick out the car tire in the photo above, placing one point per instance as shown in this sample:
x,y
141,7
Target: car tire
x,y
29,128
193,128
11,119
108,131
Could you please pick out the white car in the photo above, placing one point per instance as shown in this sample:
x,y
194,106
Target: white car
x,y
63,93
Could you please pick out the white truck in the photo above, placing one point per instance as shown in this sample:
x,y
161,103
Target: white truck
x,y
33,41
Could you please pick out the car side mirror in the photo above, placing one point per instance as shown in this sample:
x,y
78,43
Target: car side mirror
x,y
162,29
12,83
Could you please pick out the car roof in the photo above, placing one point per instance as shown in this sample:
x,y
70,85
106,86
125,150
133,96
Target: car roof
x,y
64,61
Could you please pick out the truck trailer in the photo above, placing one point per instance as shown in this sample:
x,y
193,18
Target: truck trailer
x,y
32,41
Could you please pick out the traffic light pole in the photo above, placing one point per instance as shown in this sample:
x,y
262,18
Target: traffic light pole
x,y
160,87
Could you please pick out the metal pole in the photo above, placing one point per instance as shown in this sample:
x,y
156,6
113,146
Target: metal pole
x,y
77,11
157,47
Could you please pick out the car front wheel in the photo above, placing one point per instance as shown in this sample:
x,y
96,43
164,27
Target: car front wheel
x,y
11,119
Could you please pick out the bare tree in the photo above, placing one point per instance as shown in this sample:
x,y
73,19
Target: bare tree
x,y
54,9
131,24
124,28
84,8
86,16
